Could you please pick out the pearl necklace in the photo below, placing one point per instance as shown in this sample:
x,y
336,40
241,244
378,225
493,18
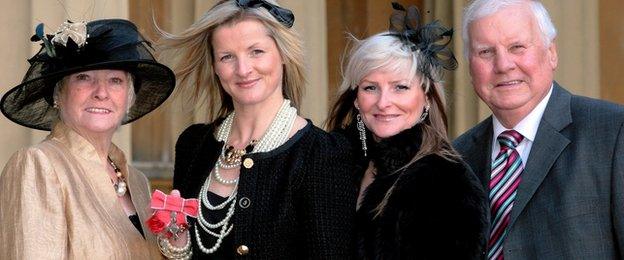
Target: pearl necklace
x,y
120,186
276,135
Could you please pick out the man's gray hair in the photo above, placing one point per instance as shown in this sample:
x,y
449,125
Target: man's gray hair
x,y
480,8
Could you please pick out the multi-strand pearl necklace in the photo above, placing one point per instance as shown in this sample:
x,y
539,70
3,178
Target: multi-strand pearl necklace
x,y
276,135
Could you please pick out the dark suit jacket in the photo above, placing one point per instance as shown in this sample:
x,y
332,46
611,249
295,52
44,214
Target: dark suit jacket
x,y
570,203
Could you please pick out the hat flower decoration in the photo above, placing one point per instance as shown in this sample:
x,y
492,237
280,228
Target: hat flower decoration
x,y
76,32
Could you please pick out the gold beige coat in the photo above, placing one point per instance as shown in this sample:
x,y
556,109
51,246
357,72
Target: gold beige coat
x,y
57,202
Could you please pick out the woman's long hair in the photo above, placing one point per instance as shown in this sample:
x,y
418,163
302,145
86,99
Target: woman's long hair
x,y
387,52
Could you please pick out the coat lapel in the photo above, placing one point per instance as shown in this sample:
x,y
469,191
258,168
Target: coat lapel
x,y
141,200
546,148
479,157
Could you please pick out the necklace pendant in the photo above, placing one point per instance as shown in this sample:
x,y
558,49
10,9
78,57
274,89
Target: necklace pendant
x,y
121,188
233,156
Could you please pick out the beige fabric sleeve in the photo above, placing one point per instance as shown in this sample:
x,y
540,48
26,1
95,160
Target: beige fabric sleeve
x,y
31,209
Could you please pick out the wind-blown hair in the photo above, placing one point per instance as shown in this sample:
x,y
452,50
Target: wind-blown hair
x,y
190,54
481,8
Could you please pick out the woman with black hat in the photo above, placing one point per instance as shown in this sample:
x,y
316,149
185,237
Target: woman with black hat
x,y
271,184
73,196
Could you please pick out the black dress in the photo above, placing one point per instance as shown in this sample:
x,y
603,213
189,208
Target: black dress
x,y
295,202
437,209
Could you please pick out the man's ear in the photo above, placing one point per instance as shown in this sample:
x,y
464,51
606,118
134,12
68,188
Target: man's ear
x,y
553,59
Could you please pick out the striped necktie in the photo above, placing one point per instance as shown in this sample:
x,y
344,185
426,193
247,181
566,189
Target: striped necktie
x,y
504,181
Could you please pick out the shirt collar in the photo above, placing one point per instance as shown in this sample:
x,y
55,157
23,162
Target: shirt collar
x,y
527,127
79,145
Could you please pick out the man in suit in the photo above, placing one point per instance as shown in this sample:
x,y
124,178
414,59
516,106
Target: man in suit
x,y
552,162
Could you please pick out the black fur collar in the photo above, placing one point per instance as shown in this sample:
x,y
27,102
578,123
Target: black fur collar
x,y
396,151
389,154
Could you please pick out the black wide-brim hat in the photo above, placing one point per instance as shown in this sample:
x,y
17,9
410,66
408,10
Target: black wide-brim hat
x,y
110,44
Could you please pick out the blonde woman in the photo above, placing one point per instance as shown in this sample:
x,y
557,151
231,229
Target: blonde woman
x,y
417,199
271,185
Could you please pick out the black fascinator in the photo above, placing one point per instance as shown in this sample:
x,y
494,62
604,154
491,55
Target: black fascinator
x,y
431,40
75,47
283,15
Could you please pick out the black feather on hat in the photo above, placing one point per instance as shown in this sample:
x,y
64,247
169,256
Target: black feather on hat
x,y
101,44
431,40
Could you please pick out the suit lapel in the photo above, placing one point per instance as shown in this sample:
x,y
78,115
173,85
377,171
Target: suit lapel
x,y
546,148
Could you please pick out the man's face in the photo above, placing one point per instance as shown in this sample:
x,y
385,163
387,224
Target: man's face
x,y
511,68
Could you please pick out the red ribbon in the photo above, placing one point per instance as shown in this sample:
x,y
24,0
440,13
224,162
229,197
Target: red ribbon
x,y
164,204
161,201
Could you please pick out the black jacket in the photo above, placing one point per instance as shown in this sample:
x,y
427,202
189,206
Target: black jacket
x,y
299,198
437,209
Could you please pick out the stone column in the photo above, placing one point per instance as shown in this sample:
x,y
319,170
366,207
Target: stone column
x,y
578,45
15,48
612,50
311,23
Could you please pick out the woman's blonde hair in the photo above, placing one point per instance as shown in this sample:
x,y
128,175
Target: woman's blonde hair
x,y
387,52
190,55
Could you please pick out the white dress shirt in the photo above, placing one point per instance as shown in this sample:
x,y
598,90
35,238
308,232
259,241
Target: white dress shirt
x,y
527,127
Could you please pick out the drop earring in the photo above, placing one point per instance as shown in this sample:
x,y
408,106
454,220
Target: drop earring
x,y
55,104
424,114
362,129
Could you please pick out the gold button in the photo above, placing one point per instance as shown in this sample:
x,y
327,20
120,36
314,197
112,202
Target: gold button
x,y
242,250
248,163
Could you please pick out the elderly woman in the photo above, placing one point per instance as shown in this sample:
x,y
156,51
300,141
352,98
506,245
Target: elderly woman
x,y
73,196
417,199
271,185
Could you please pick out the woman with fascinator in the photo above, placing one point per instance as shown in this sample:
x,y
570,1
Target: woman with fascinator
x,y
73,196
417,199
270,184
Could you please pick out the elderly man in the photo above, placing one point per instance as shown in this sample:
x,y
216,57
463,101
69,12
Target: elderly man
x,y
552,162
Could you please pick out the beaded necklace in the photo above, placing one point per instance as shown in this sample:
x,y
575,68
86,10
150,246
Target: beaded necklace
x,y
276,135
